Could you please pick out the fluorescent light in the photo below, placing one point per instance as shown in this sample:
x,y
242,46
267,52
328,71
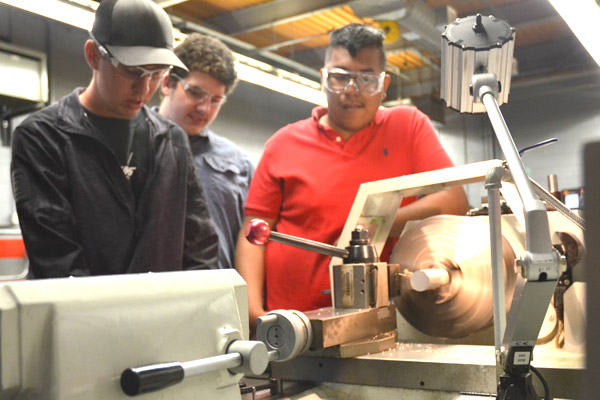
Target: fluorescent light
x,y
249,70
56,10
582,16
278,80
277,84
28,78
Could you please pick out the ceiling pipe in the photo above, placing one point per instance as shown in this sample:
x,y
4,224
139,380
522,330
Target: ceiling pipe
x,y
418,18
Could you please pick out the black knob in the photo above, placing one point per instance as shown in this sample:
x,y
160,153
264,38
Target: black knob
x,y
360,251
141,380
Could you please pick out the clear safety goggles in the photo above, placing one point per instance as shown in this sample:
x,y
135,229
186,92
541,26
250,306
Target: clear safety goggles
x,y
132,72
337,80
198,94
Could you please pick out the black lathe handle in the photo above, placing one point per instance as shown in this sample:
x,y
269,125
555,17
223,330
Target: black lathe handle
x,y
135,381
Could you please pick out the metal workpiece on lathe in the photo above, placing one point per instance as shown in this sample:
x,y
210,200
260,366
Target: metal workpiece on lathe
x,y
429,279
445,260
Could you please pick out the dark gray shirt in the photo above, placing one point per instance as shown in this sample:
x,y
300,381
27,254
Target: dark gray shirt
x,y
224,171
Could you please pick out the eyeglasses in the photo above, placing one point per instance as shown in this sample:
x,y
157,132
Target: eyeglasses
x,y
337,80
131,72
141,72
198,94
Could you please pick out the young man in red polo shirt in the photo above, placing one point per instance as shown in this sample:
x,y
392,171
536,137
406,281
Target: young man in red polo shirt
x,y
311,170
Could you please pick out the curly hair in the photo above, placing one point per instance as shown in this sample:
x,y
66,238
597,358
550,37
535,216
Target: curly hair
x,y
208,55
354,37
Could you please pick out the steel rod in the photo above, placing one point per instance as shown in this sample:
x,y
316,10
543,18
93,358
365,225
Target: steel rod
x,y
211,364
308,244
493,184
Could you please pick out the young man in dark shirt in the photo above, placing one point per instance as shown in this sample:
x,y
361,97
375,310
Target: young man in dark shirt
x,y
102,185
193,101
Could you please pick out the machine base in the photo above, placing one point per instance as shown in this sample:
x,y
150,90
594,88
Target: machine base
x,y
435,367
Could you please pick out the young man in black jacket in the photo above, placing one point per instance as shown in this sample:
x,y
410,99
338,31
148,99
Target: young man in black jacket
x,y
102,185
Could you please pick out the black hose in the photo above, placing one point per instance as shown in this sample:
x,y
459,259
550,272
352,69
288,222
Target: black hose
x,y
537,145
537,373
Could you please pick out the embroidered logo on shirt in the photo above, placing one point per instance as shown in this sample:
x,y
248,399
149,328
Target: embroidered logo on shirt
x,y
128,170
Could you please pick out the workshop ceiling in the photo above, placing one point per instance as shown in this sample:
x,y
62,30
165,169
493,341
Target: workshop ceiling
x,y
292,34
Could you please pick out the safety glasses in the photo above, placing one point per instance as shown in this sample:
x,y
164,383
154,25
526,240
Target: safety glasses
x,y
337,80
198,94
132,72
141,72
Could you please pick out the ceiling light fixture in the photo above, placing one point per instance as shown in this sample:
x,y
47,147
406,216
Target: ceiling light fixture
x,y
57,10
263,74
249,69
582,16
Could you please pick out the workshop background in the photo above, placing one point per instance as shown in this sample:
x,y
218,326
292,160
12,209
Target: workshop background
x,y
554,90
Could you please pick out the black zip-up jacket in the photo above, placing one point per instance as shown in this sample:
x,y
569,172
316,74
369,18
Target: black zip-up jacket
x,y
77,210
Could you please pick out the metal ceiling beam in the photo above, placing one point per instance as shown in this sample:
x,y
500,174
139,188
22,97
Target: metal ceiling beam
x,y
267,15
268,10
186,25
530,12
277,12
292,42
362,8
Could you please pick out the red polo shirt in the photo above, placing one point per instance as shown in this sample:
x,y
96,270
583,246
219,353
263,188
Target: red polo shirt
x,y
307,179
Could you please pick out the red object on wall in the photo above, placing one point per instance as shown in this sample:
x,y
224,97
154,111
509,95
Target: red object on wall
x,y
12,248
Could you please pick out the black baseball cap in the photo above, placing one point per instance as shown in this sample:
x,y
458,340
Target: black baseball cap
x,y
135,32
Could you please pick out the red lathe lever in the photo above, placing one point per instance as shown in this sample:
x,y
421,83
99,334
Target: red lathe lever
x,y
259,232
